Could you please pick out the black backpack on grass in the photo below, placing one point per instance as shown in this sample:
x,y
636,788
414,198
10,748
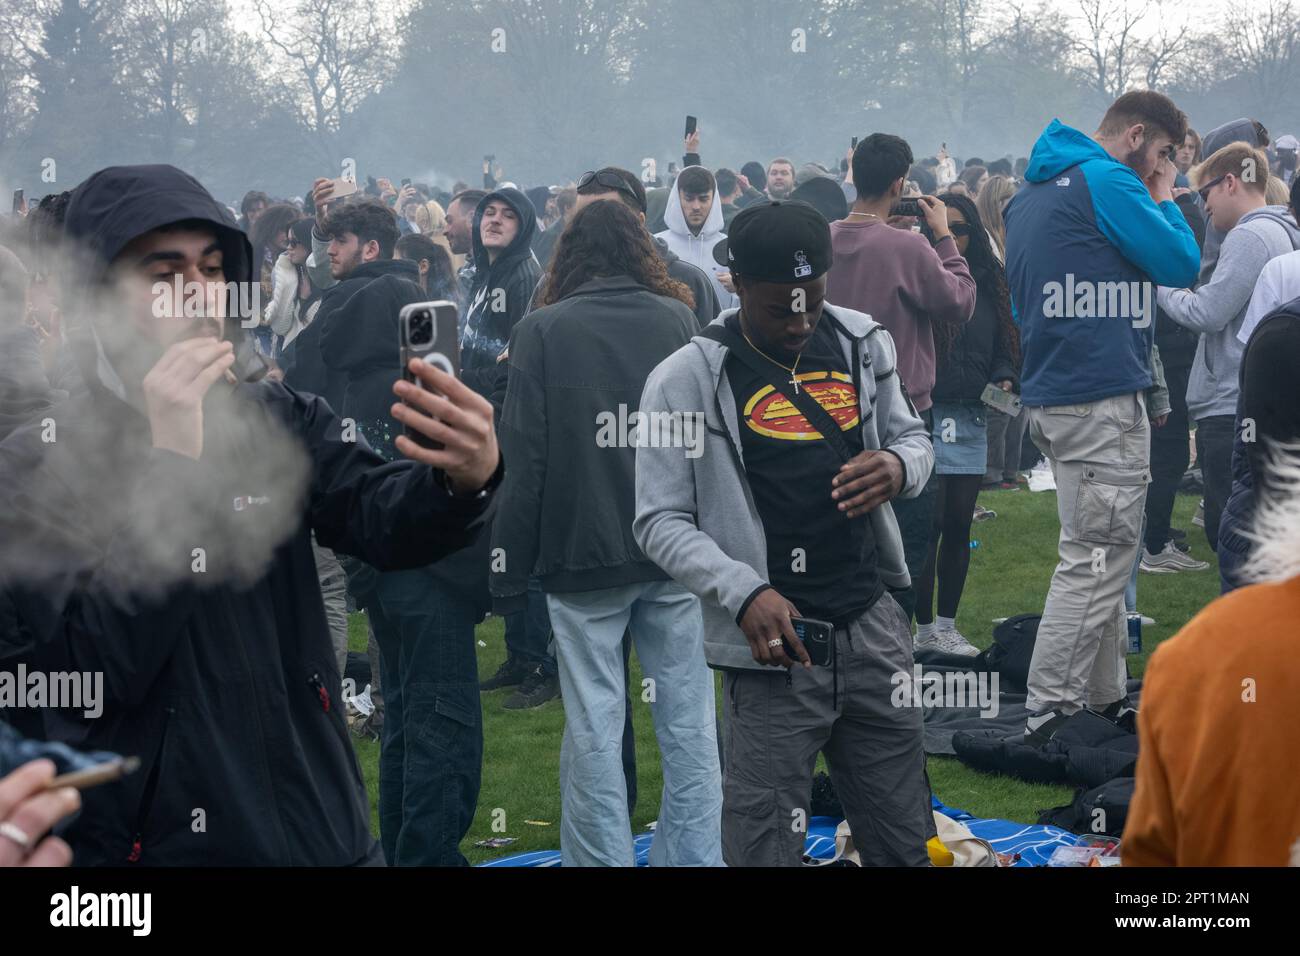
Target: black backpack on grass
x,y
1012,650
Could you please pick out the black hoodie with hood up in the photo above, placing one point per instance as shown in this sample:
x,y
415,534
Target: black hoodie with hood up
x,y
228,692
500,297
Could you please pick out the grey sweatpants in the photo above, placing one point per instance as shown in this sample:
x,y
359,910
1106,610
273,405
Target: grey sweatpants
x,y
873,750
1100,454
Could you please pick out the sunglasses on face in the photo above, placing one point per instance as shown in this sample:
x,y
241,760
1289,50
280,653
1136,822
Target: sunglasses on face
x,y
610,181
1204,191
961,229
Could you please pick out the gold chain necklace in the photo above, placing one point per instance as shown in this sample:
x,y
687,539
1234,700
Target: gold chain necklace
x,y
871,214
789,368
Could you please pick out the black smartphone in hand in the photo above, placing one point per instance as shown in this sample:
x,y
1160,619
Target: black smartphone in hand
x,y
817,637
907,207
691,123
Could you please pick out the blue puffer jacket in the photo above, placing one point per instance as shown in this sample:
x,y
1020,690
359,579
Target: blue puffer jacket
x,y
1083,238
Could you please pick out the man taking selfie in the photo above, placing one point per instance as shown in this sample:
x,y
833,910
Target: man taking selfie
x,y
174,514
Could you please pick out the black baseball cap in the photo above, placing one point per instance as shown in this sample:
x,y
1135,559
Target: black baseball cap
x,y
777,241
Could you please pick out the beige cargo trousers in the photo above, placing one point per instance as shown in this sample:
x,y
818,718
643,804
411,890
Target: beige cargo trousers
x,y
1100,455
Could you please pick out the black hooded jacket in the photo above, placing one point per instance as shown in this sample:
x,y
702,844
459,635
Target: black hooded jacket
x,y
225,688
360,342
499,299
980,354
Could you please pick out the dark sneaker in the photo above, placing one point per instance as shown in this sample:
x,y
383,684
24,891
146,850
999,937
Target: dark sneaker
x,y
509,674
1122,714
1040,728
538,687
1009,486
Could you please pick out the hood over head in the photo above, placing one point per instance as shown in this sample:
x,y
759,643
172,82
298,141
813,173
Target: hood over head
x,y
675,219
118,204
1238,131
520,248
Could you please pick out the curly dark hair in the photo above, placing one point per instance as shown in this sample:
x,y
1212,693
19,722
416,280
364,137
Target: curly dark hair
x,y
990,280
608,239
366,219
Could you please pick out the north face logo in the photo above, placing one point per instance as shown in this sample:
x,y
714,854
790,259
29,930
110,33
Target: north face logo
x,y
1063,181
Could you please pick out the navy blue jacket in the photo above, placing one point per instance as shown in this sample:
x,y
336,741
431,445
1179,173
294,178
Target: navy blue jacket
x,y
1084,221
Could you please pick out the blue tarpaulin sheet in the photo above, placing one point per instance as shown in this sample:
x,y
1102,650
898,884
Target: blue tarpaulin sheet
x,y
1033,842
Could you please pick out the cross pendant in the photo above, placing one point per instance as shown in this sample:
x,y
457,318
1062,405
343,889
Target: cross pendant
x,y
795,382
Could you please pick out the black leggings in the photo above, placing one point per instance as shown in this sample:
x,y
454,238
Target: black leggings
x,y
949,546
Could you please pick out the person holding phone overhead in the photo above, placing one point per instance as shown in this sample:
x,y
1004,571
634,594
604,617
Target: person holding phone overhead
x,y
810,396
174,515
907,284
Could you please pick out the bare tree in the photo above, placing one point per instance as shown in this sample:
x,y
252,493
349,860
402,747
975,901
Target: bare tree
x,y
337,51
1263,44
1107,44
1166,51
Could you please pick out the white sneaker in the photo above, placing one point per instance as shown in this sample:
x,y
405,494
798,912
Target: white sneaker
x,y
1170,561
951,642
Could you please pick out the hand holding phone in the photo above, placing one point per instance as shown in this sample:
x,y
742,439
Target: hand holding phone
x,y
1004,400
429,334
768,629
817,638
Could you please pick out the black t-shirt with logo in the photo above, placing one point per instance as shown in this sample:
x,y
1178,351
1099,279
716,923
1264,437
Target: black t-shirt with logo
x,y
821,561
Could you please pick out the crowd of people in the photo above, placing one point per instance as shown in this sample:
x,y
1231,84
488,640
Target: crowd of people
x,y
736,420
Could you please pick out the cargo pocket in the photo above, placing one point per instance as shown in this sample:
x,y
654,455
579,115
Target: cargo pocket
x,y
449,717
1108,507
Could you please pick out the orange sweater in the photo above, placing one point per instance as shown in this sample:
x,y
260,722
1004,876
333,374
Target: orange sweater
x,y
1218,774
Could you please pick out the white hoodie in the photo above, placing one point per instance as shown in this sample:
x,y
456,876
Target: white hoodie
x,y
697,250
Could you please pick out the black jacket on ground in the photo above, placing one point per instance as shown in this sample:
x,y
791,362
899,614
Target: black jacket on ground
x,y
980,354
360,342
567,507
225,688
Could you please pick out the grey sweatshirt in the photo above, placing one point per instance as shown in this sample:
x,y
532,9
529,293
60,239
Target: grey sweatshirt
x,y
695,515
1216,309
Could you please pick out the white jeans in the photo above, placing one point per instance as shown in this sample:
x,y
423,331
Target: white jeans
x,y
668,632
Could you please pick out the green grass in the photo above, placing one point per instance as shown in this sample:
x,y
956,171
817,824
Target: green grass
x,y
1009,574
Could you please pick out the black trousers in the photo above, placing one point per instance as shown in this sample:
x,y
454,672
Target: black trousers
x,y
1214,451
1170,455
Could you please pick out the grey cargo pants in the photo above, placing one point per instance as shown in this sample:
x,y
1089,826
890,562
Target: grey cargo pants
x,y
873,750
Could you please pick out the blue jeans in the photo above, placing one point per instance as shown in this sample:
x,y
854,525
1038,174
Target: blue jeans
x,y
528,633
431,753
668,631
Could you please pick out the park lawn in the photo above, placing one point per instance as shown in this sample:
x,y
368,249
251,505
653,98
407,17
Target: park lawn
x,y
1009,574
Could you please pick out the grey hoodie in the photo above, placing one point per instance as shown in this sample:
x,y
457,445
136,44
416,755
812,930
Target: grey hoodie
x,y
1238,131
1217,308
695,515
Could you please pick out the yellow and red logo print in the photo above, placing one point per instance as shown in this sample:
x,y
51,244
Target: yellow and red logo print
x,y
772,414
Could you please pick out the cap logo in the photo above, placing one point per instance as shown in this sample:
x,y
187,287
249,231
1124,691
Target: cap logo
x,y
801,266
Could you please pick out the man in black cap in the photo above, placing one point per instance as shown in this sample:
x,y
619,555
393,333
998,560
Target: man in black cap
x,y
785,514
